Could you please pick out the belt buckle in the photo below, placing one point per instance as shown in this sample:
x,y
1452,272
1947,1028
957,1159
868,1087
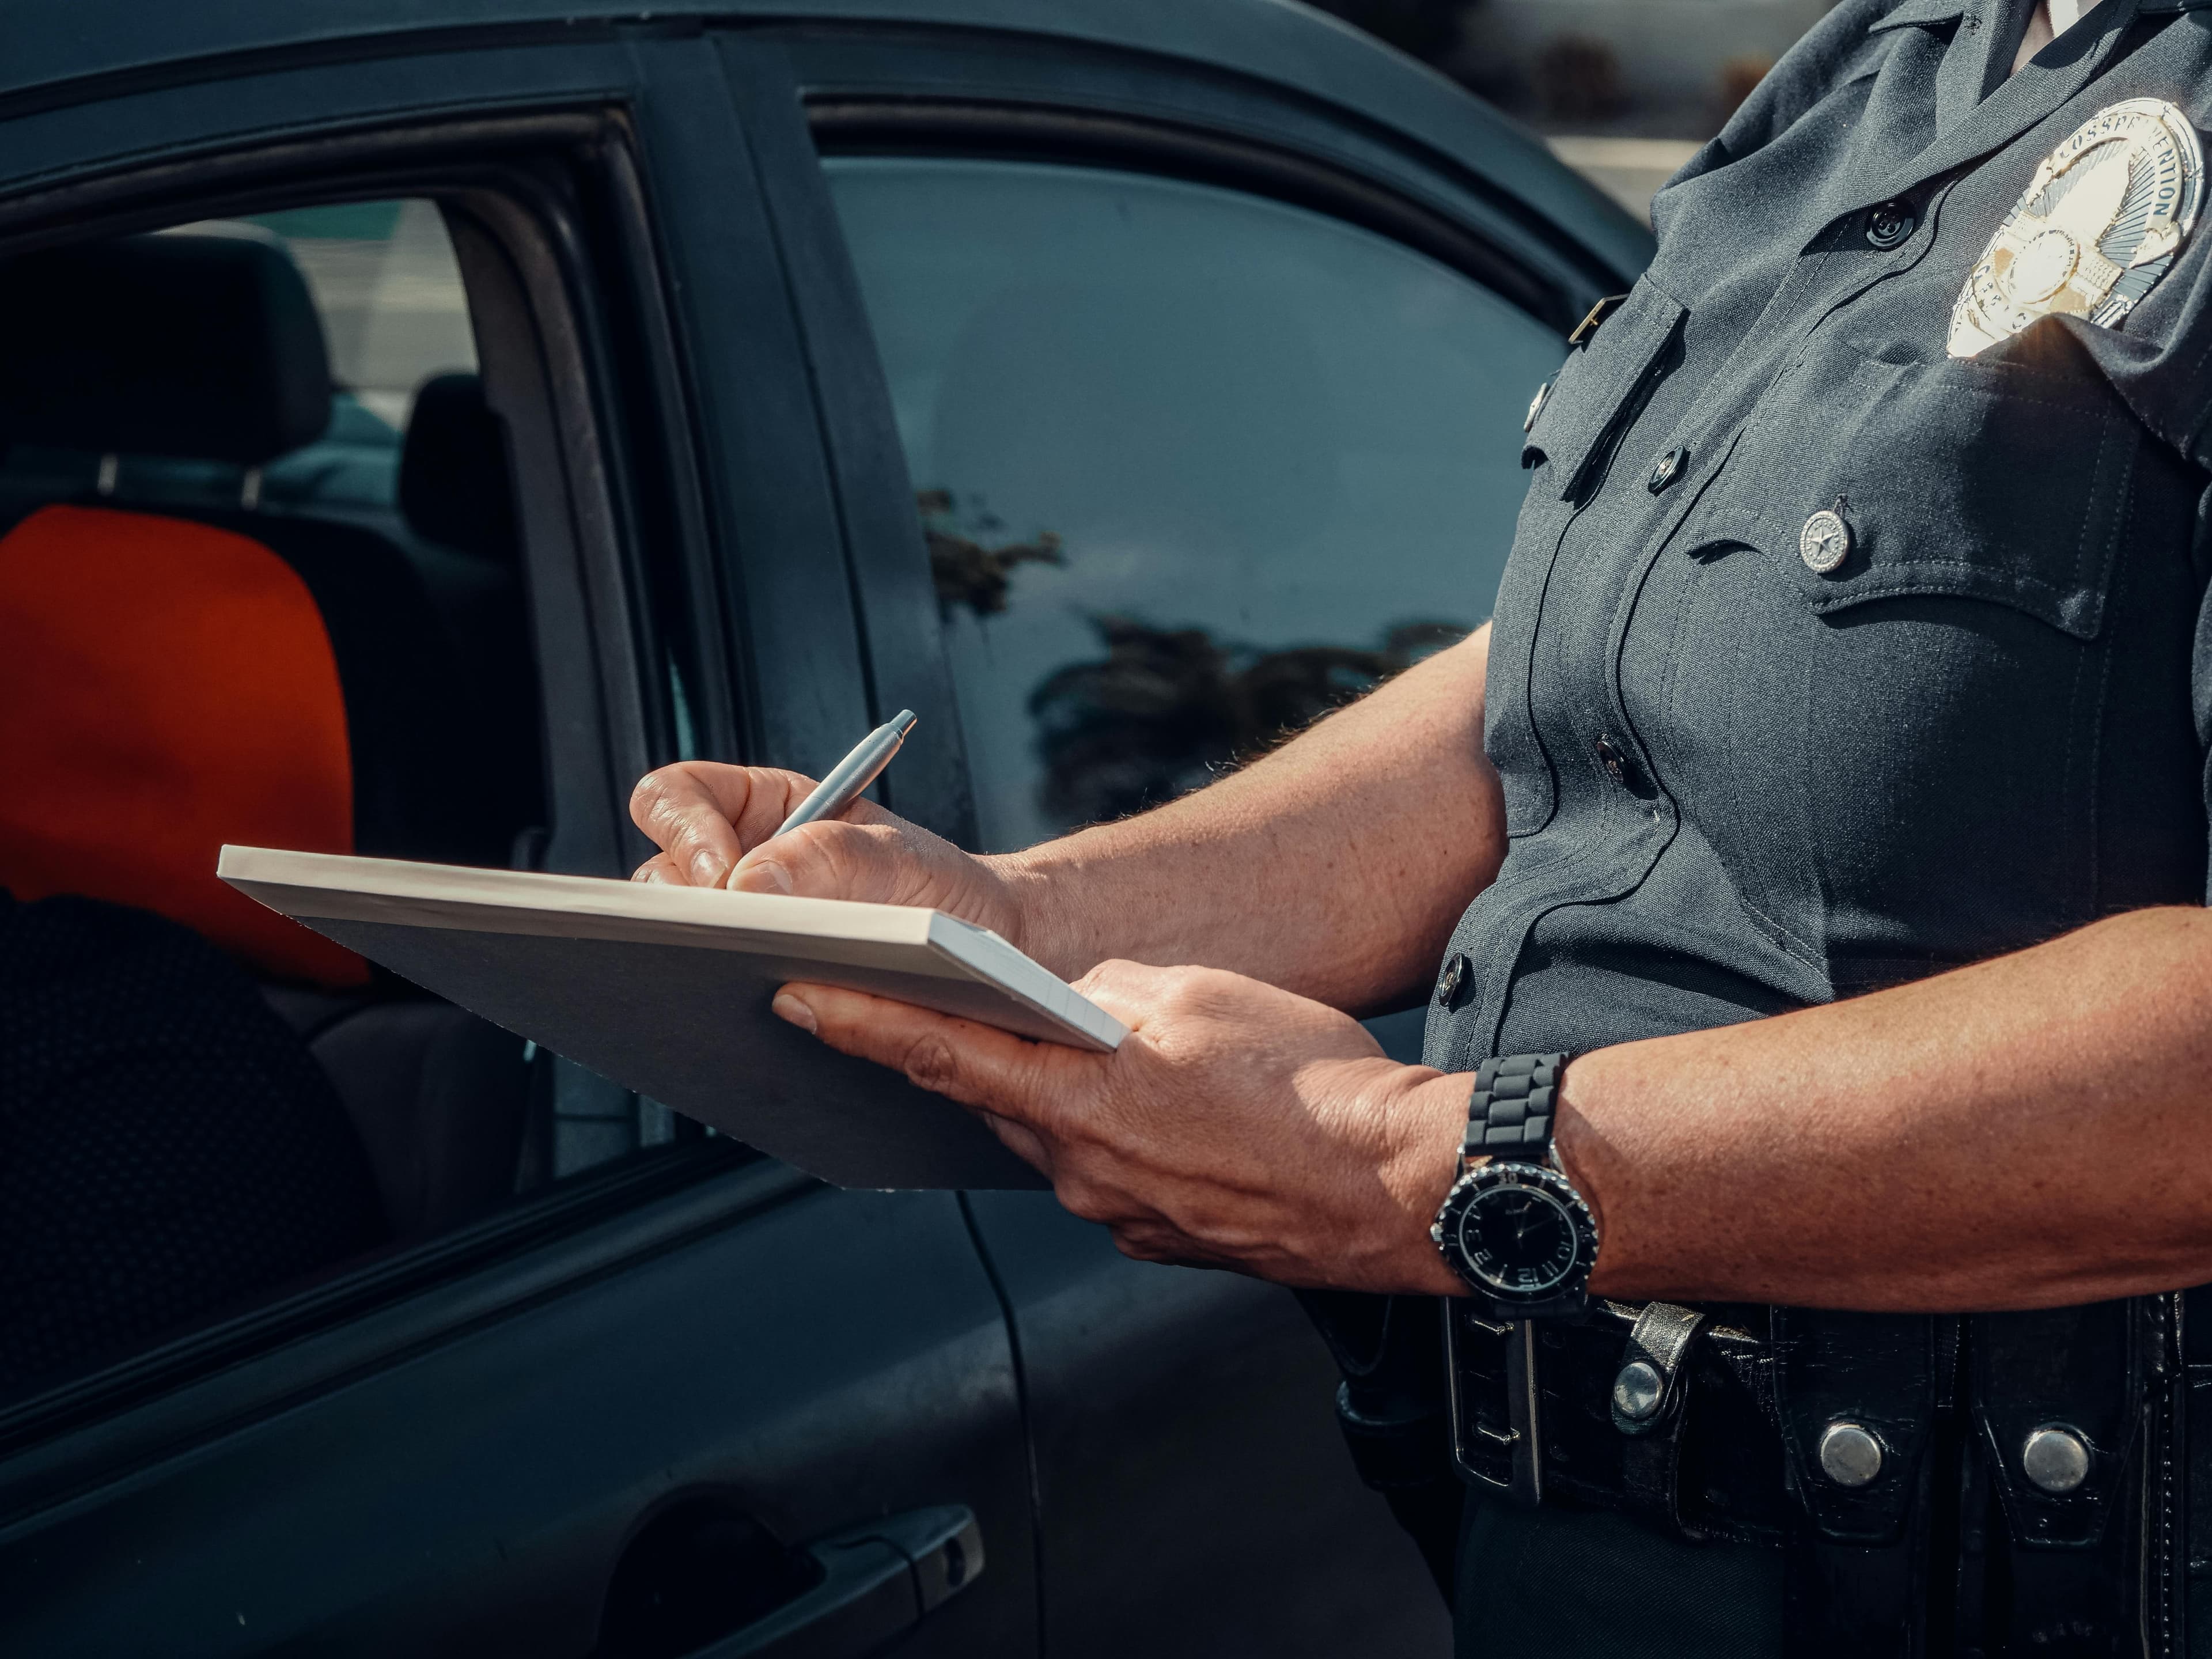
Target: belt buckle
x,y
1522,1444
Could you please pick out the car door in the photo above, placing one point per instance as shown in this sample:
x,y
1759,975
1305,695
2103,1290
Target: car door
x,y
671,1397
1206,411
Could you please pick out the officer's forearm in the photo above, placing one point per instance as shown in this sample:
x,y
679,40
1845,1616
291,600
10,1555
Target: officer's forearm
x,y
1334,867
2031,1131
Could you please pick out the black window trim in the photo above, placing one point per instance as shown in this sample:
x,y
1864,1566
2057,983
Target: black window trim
x,y
997,130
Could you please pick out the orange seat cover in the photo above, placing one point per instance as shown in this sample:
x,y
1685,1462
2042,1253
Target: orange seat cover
x,y
166,687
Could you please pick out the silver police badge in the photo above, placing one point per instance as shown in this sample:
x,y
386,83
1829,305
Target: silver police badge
x,y
2097,227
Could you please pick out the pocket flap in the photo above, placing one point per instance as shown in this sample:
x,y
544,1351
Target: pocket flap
x,y
2011,489
1598,383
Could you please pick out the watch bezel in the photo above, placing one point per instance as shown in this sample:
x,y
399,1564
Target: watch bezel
x,y
1567,1291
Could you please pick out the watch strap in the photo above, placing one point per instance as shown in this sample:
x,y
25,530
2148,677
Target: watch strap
x,y
1511,1113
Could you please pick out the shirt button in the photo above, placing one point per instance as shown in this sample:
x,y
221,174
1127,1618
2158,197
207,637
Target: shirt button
x,y
1890,225
1666,470
1610,757
1452,984
1825,541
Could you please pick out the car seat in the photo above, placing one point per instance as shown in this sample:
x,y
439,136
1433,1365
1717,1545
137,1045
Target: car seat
x,y
167,1147
207,346
457,498
168,1151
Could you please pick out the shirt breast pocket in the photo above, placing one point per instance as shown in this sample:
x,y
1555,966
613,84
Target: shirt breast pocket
x,y
1888,685
1594,398
1596,389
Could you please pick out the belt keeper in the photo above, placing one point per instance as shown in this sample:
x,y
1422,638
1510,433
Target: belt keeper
x,y
1649,1409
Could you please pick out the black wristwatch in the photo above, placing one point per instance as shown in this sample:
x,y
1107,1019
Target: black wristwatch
x,y
1515,1229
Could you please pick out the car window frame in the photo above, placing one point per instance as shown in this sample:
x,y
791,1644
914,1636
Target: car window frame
x,y
963,93
993,130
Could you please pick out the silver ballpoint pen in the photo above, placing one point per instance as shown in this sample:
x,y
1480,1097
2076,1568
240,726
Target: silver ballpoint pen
x,y
849,776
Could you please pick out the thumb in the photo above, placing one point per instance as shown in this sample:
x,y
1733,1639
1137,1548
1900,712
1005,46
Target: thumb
x,y
828,858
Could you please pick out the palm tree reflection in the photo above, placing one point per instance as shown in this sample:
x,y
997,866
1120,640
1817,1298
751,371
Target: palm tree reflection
x,y
968,575
1166,710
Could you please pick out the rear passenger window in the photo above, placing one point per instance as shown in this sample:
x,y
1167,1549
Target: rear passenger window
x,y
260,582
1195,466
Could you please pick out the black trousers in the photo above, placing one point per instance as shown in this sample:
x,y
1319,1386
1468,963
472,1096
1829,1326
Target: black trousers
x,y
1566,1584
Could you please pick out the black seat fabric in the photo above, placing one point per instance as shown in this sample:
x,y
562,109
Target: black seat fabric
x,y
456,491
417,716
201,347
454,488
168,1149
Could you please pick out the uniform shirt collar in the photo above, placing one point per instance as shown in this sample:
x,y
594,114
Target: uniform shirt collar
x,y
1921,12
1980,58
1970,125
1981,49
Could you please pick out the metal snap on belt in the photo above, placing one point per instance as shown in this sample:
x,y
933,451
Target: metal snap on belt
x,y
1825,540
1638,1390
2055,1459
1850,1456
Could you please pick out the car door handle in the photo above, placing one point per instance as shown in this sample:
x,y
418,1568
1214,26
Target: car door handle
x,y
878,1580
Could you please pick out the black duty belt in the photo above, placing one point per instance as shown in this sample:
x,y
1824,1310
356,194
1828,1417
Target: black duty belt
x,y
1990,1484
1705,1460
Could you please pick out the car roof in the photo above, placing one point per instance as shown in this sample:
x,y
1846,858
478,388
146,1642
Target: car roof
x,y
1289,44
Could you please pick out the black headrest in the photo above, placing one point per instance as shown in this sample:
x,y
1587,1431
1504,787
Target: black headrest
x,y
201,347
454,484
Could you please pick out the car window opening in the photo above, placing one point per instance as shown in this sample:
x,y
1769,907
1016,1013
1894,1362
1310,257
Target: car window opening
x,y
261,582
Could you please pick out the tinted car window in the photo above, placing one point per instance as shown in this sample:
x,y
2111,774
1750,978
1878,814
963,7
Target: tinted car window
x,y
1193,465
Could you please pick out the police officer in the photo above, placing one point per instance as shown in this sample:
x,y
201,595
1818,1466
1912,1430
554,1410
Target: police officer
x,y
1814,1145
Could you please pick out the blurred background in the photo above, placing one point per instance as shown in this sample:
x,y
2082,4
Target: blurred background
x,y
1625,90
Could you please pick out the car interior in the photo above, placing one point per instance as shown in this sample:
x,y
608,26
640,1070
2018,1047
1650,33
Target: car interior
x,y
238,605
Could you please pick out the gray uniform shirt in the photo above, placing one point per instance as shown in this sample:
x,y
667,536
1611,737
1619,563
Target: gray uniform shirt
x,y
1737,784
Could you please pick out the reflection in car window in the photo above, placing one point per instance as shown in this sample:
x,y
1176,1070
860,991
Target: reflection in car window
x,y
1193,467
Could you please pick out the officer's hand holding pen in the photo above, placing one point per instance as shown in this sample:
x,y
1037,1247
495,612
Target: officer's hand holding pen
x,y
760,829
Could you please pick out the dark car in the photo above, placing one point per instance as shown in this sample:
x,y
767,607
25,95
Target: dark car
x,y
433,414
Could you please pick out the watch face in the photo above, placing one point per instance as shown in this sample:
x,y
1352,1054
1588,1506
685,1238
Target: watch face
x,y
1520,1240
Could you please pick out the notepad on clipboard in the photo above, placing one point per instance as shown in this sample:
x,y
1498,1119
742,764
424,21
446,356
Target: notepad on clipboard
x,y
665,990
